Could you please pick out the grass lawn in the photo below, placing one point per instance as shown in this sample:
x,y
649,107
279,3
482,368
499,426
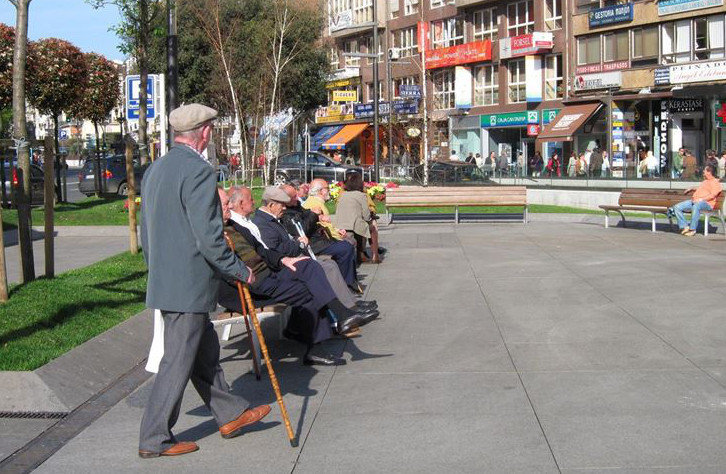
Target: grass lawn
x,y
90,211
46,318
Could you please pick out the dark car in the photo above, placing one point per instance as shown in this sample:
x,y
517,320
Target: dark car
x,y
12,182
450,171
113,172
291,165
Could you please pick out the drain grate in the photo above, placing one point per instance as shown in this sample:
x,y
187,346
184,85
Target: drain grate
x,y
48,415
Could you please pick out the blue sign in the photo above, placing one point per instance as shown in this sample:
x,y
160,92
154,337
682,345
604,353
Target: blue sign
x,y
662,76
412,91
62,134
669,7
405,107
611,15
400,107
133,104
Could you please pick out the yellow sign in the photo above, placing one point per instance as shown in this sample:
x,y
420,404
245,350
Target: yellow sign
x,y
334,113
351,81
345,96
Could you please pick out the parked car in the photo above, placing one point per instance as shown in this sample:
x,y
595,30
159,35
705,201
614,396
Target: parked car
x,y
449,171
12,182
113,171
291,165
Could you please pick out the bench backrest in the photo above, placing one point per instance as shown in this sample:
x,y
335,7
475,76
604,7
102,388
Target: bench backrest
x,y
419,196
657,197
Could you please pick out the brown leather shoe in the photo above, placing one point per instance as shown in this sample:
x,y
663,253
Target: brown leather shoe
x,y
248,417
182,447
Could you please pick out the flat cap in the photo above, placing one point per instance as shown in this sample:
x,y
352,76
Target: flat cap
x,y
273,193
191,116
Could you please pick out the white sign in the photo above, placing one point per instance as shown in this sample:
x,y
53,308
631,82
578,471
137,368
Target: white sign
x,y
533,73
669,7
698,72
604,80
341,20
535,43
462,87
565,122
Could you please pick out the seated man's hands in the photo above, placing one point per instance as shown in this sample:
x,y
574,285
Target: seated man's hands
x,y
303,240
342,232
290,262
251,278
324,218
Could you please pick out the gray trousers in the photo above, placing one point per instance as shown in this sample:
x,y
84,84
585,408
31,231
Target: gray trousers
x,y
191,350
337,283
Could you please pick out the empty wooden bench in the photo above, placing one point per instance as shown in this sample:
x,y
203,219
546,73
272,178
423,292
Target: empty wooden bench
x,y
456,197
657,201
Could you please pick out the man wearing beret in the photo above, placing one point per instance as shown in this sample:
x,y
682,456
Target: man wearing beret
x,y
185,251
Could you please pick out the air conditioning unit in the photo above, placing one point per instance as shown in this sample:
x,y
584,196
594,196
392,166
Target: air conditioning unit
x,y
394,54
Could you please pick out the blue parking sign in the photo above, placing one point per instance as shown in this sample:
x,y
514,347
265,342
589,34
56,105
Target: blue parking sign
x,y
133,104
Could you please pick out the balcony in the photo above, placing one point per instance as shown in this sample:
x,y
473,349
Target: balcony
x,y
468,3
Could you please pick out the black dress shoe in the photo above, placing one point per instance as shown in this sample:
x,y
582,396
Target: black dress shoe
x,y
364,305
367,316
346,324
329,360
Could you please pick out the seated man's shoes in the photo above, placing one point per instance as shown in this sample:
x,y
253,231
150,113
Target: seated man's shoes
x,y
366,304
328,360
368,316
690,233
182,447
248,417
346,324
684,230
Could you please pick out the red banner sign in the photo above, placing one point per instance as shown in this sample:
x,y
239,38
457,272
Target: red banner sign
x,y
525,45
423,35
533,130
613,66
456,55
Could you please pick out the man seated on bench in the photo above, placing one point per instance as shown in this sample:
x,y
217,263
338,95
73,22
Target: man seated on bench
x,y
704,199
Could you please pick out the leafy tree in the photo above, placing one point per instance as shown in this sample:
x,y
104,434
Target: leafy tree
x,y
98,97
57,74
7,43
136,31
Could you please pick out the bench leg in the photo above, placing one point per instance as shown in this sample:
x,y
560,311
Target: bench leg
x,y
456,214
607,219
652,225
525,215
705,225
723,224
227,332
622,216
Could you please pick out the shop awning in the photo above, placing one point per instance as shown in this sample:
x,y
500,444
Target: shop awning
x,y
341,139
322,136
567,122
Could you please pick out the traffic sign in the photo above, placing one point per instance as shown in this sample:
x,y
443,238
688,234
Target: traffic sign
x,y
133,104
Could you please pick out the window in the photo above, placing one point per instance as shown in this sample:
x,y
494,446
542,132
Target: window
x,y
369,90
351,46
441,3
553,15
486,85
406,41
369,48
645,45
584,6
588,50
517,83
338,6
334,59
676,41
520,18
554,85
449,32
616,46
397,83
709,38
410,7
444,89
362,11
486,24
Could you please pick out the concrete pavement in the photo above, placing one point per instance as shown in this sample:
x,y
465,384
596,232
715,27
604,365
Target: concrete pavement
x,y
550,347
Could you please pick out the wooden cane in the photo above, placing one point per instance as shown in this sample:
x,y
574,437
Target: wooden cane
x,y
246,299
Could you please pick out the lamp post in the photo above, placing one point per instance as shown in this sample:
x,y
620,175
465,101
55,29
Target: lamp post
x,y
376,99
172,69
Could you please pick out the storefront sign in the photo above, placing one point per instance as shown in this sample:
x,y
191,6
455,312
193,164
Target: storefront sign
x,y
340,20
684,106
535,43
533,73
341,81
669,7
603,80
345,96
613,66
412,91
687,73
660,129
549,115
457,55
334,113
422,31
512,119
610,15
400,107
405,107
463,89
533,130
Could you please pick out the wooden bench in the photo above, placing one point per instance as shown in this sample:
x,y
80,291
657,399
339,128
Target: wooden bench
x,y
657,201
456,197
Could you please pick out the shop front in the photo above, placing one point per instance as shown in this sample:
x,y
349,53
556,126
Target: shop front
x,y
466,135
511,135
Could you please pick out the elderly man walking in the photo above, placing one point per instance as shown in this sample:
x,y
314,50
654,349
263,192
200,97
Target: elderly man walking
x,y
185,251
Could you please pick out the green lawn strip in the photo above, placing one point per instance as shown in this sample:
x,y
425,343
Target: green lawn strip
x,y
48,317
90,211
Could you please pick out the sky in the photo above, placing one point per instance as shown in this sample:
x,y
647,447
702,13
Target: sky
x,y
71,20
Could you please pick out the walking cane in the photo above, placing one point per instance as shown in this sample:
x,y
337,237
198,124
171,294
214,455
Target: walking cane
x,y
245,300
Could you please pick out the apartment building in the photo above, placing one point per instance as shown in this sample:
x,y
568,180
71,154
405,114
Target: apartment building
x,y
647,76
495,75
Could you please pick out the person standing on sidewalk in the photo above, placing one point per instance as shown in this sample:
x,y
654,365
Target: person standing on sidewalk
x,y
185,251
704,199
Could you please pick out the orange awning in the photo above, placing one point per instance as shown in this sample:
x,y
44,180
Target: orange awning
x,y
348,133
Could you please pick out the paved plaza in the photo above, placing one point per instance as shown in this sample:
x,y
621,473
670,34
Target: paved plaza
x,y
555,346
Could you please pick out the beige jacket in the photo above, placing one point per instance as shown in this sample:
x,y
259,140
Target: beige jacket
x,y
352,213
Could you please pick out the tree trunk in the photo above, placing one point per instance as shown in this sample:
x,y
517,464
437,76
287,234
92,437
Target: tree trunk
x,y
48,238
19,135
143,78
98,179
131,183
58,167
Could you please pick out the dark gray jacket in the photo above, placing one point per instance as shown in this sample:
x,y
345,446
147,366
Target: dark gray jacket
x,y
181,234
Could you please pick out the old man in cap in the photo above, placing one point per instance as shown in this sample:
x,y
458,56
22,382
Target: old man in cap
x,y
181,235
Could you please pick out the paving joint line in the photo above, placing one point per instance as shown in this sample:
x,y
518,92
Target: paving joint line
x,y
509,354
